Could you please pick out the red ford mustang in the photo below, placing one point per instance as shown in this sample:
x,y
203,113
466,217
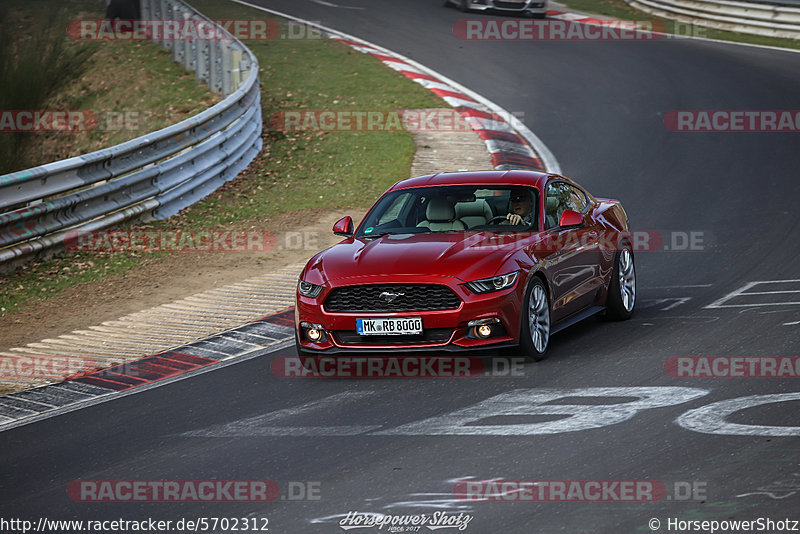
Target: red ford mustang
x,y
468,260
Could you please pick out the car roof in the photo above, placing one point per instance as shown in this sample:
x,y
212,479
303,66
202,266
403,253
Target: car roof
x,y
514,177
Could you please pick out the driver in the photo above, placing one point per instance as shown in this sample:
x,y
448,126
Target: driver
x,y
521,207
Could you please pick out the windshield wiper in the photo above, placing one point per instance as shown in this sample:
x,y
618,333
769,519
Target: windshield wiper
x,y
373,236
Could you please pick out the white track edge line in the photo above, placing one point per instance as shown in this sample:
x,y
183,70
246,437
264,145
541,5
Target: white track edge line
x,y
112,395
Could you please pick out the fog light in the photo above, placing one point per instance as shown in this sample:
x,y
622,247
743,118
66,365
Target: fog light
x,y
313,334
484,328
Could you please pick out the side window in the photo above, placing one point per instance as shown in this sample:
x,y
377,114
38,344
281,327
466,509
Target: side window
x,y
562,196
576,199
553,204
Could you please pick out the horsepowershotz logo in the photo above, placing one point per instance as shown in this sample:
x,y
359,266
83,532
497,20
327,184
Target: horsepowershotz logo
x,y
446,521
391,296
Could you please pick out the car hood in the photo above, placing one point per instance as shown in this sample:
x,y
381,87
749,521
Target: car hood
x,y
463,255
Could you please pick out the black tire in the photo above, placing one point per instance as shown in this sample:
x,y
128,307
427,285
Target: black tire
x,y
302,353
534,334
621,300
463,5
297,347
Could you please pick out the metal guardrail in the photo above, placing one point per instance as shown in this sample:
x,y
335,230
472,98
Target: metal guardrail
x,y
778,18
155,175
791,3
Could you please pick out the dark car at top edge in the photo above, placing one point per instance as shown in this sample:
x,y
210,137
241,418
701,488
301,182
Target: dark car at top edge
x,y
534,8
466,261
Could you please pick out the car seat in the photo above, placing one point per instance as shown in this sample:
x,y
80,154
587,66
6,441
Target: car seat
x,y
475,213
441,216
552,211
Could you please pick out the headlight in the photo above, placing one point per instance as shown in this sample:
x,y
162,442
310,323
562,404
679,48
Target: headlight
x,y
487,285
308,289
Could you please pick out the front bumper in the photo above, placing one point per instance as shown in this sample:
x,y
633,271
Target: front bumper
x,y
505,6
442,329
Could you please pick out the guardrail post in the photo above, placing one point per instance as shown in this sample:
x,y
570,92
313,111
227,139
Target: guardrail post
x,y
177,43
227,68
145,10
163,16
190,49
236,65
201,69
215,65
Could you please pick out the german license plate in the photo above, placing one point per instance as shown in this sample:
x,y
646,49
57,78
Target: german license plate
x,y
389,326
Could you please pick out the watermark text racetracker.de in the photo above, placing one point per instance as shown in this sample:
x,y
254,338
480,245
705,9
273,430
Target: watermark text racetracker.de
x,y
44,120
557,30
72,121
169,241
589,29
733,366
726,120
151,525
609,240
29,367
145,240
188,30
412,120
408,366
173,490
578,490
218,491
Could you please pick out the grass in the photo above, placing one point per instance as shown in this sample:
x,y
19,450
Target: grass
x,y
621,10
295,171
41,280
131,87
35,61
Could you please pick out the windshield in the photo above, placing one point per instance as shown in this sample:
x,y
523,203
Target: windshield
x,y
453,209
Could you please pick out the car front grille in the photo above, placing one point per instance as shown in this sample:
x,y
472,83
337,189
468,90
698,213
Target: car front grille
x,y
509,5
391,298
429,336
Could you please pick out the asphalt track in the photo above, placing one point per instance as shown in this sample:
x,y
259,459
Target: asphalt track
x,y
599,106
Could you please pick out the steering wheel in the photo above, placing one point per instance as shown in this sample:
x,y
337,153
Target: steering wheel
x,y
496,219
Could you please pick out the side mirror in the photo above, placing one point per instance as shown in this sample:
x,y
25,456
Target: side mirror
x,y
571,218
343,226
